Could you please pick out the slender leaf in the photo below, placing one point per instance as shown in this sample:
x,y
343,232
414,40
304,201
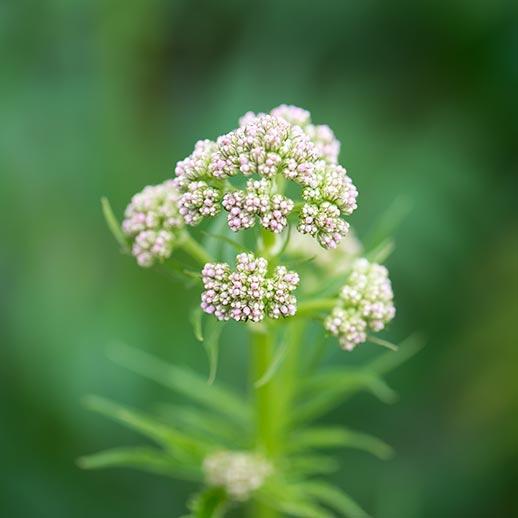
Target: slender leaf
x,y
311,465
290,500
181,445
183,381
389,222
279,355
382,252
286,241
389,361
206,425
221,237
335,498
143,458
332,437
382,343
210,503
113,224
196,321
211,244
211,344
325,390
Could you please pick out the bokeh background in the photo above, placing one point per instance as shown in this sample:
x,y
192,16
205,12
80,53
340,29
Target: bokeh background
x,y
101,98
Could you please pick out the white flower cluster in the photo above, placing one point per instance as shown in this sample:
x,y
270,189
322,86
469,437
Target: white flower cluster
x,y
239,473
266,145
257,200
152,220
321,135
366,302
280,145
248,293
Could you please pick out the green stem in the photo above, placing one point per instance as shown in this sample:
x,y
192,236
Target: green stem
x,y
266,411
289,374
194,249
312,306
265,396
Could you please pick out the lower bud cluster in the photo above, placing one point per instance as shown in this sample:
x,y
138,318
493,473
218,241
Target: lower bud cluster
x,y
366,302
248,293
151,221
240,473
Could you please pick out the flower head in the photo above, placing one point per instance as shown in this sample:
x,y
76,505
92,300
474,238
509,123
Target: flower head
x,y
152,220
366,301
321,135
257,201
248,293
239,473
273,148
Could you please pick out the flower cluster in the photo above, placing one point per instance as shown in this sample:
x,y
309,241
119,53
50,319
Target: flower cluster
x,y
152,220
239,473
257,200
321,135
266,145
366,302
282,145
248,293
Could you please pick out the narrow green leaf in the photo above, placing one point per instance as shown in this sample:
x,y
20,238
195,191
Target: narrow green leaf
x,y
335,498
335,436
196,321
221,237
279,355
146,459
181,445
314,464
211,344
210,503
207,425
330,388
389,361
113,224
389,222
297,263
286,241
183,381
211,244
289,499
302,508
382,252
382,343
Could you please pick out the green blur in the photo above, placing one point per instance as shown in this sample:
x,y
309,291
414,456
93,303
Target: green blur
x,y
100,98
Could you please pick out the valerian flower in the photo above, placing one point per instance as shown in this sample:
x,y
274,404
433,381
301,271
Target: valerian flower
x,y
152,220
321,135
365,302
275,147
248,293
257,200
239,473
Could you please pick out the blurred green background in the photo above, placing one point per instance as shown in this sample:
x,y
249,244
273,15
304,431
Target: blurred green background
x,y
101,98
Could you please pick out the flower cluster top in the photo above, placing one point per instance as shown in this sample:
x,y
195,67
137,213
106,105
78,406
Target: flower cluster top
x,y
366,302
238,472
248,293
151,221
269,149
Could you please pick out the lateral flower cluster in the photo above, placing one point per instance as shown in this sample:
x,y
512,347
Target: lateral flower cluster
x,y
152,221
365,302
248,293
273,148
239,473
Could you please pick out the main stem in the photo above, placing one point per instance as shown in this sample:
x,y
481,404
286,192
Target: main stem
x,y
266,409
